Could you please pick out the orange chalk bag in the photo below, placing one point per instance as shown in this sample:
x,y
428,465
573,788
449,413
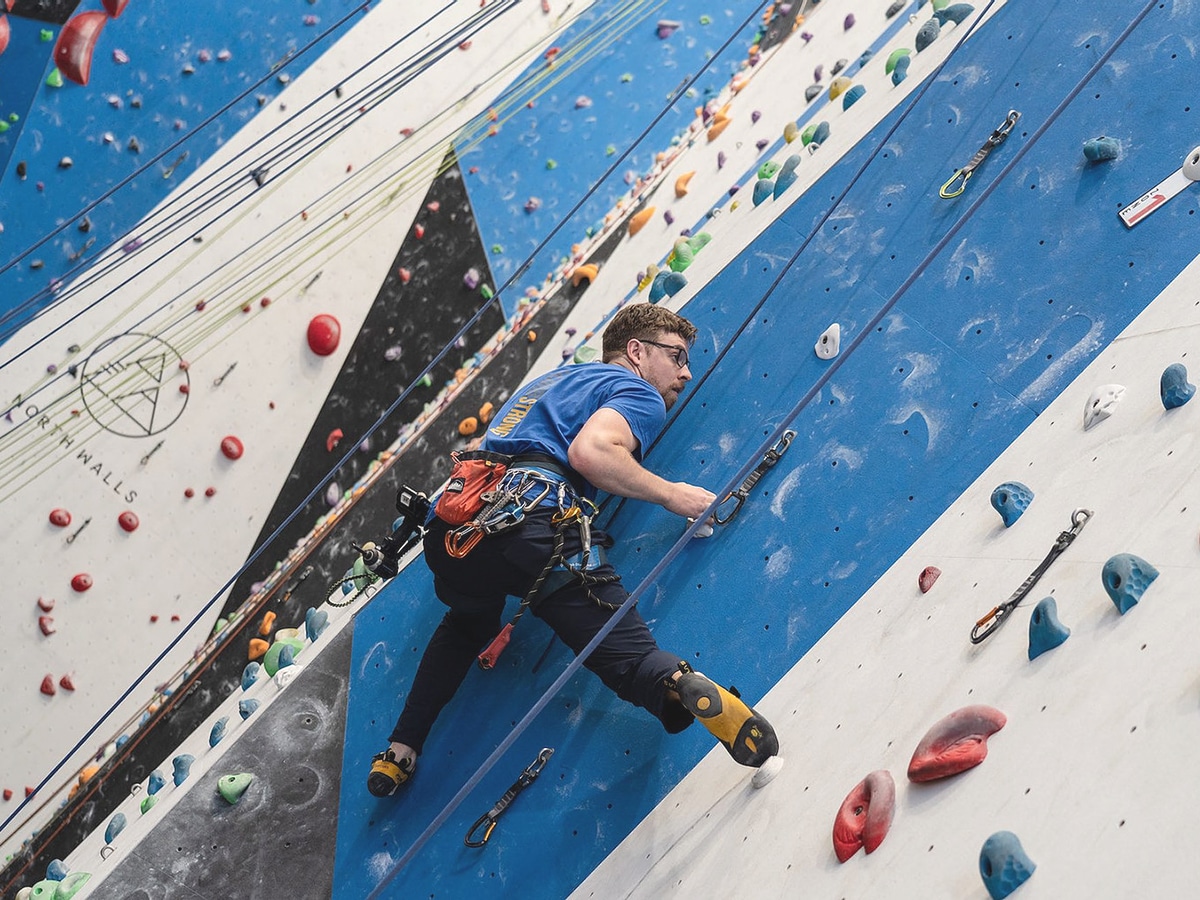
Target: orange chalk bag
x,y
475,472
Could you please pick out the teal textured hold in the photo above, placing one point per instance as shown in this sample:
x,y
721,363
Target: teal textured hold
x,y
1045,630
763,188
183,767
955,13
674,283
821,135
1010,500
852,96
155,782
1004,864
287,657
250,674
1174,387
315,622
658,287
1126,578
900,70
787,175
1101,148
218,731
115,826
246,708
56,870
927,34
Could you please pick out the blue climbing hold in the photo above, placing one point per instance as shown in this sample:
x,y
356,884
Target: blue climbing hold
x,y
115,826
787,175
674,283
183,767
658,287
56,870
247,707
865,57
287,657
155,782
955,13
250,674
1126,578
763,188
315,622
218,731
1101,148
1004,864
1045,631
1174,387
900,70
1010,500
927,34
821,134
852,95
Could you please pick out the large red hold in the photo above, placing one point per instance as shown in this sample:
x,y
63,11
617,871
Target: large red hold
x,y
232,447
60,517
865,815
5,31
955,743
114,7
324,334
76,43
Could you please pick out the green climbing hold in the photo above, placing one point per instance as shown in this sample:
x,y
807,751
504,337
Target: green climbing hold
x,y
14,118
3,127
231,787
699,241
221,625
806,135
893,57
271,659
426,380
551,164
486,292
626,77
47,35
610,150
939,4
497,249
43,890
585,354
54,79
682,255
148,803
768,169
706,20
71,885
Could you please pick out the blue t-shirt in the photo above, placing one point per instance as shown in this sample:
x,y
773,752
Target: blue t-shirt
x,y
547,414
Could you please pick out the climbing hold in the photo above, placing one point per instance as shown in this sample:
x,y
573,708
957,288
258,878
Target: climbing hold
x,y
468,426
926,579
838,66
324,333
787,175
247,707
955,743
820,135
272,662
681,184
45,604
128,521
927,34
1126,578
76,43
531,336
487,410
682,255
250,674
218,731
1101,404
672,283
46,623
812,92
258,647
60,517
232,787
646,279
114,8
839,86
955,13
115,826
70,885
210,492
755,115
848,22
232,447
404,274
768,169
1004,864
900,70
895,8
56,870
894,57
719,124
666,27
763,188
81,582
829,343
721,160
333,439
66,683
183,767
1101,148
818,72
586,272
148,803
639,219
1045,630
48,687
315,622
471,278
658,287
1173,386
865,815
155,782
1010,500
852,95
791,131
585,354
5,33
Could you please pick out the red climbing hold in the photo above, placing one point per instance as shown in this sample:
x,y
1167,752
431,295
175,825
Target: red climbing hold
x,y
48,688
210,491
405,274
60,517
956,743
8,795
114,7
865,815
5,31
81,582
76,43
418,231
46,623
128,520
45,605
66,683
433,206
28,791
324,333
332,440
189,493
232,447
927,577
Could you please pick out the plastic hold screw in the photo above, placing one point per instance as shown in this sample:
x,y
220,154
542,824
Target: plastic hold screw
x,y
955,743
218,731
926,579
1004,864
829,343
1102,148
865,815
250,675
1173,386
1011,499
1045,630
232,787
183,767
115,826
155,782
1101,404
1126,578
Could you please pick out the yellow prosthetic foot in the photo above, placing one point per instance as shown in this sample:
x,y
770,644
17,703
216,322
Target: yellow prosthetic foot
x,y
388,773
747,736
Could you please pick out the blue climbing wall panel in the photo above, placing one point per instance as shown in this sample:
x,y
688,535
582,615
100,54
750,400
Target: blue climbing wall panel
x,y
1034,284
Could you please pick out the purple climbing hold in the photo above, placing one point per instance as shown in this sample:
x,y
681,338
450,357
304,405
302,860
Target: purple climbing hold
x,y
818,72
755,115
806,36
721,160
392,353
130,245
761,144
666,27
848,22
668,217
471,278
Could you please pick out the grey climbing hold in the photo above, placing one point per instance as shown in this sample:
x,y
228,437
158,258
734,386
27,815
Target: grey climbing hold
x,y
900,69
315,622
250,674
927,34
955,13
838,66
218,731
1010,500
232,787
1126,577
821,134
787,175
1101,148
115,826
812,92
1174,387
155,782
829,343
183,767
1101,403
1004,864
852,95
56,870
763,188
247,707
895,8
1045,630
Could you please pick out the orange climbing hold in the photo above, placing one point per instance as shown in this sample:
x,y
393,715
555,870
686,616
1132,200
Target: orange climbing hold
x,y
267,623
333,439
718,126
586,272
639,219
485,412
682,182
468,426
76,44
258,648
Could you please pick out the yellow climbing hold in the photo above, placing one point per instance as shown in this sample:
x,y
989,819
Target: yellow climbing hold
x,y
790,132
838,86
639,219
681,184
648,278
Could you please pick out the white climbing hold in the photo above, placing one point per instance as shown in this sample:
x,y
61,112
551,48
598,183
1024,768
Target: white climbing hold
x,y
286,675
1101,404
830,342
1191,166
766,773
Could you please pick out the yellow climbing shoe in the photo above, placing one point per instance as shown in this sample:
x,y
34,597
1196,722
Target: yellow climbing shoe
x,y
388,773
747,736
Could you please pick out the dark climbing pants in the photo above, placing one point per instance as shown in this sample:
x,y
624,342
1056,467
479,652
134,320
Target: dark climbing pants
x,y
475,587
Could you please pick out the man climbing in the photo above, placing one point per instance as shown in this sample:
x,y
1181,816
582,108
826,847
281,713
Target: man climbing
x,y
570,433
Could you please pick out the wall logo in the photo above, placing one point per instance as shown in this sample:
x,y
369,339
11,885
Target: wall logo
x,y
131,385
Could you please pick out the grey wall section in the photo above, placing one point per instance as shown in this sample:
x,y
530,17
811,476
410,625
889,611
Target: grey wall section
x,y
286,821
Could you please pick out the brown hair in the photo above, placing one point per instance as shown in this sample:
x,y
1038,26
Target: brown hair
x,y
643,321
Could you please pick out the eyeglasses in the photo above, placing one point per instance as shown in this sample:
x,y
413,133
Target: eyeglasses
x,y
679,354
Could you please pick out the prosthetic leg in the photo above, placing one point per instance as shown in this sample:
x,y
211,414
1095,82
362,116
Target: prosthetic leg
x,y
748,737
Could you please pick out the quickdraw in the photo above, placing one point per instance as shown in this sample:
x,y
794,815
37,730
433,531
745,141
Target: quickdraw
x,y
739,496
999,615
488,820
957,183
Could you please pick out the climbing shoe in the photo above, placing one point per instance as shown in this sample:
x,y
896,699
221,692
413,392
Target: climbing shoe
x,y
747,736
388,773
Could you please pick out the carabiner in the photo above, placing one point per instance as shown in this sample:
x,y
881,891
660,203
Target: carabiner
x,y
946,193
488,820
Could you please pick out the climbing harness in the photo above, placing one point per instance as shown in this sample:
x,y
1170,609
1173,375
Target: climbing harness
x,y
488,820
999,615
739,496
957,183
